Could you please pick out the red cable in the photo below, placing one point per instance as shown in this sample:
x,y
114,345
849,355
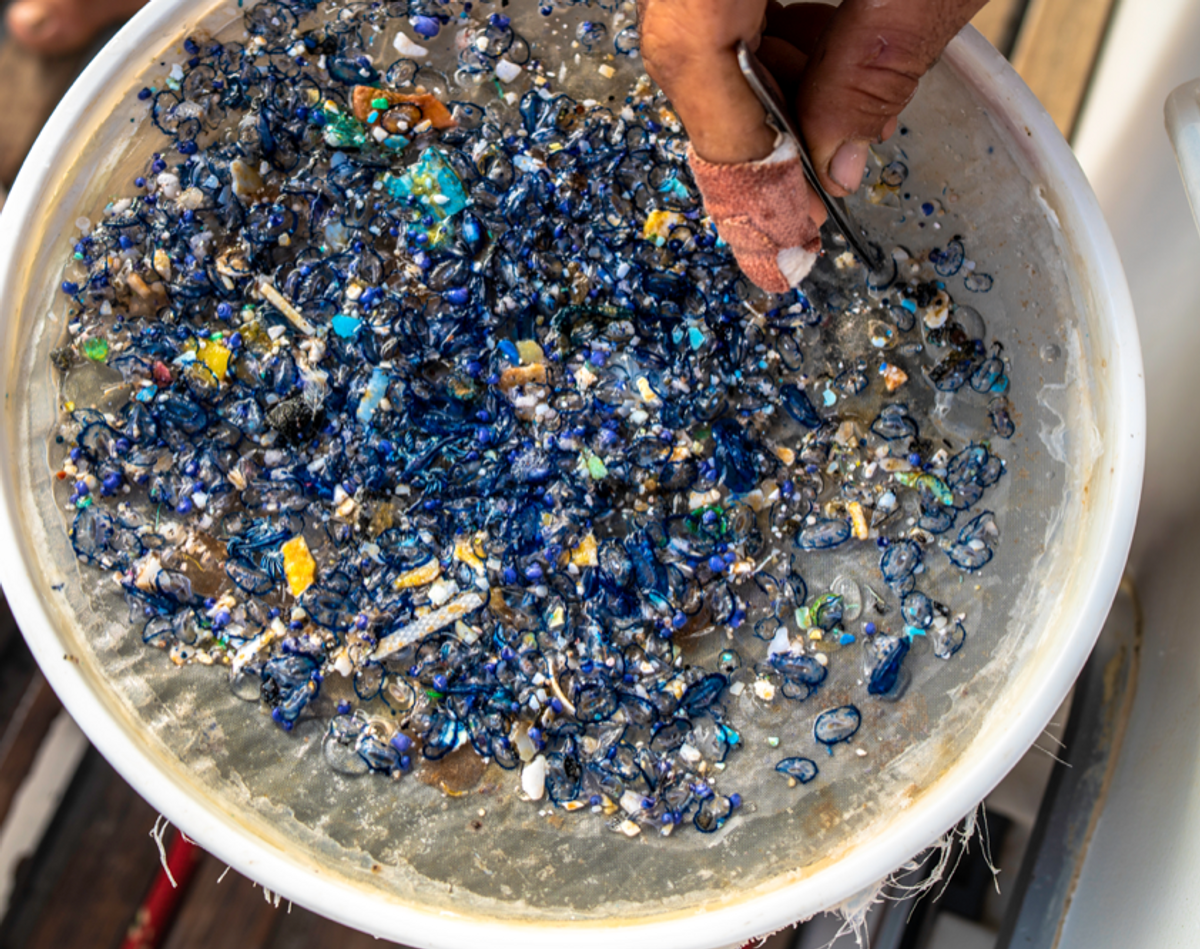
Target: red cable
x,y
153,918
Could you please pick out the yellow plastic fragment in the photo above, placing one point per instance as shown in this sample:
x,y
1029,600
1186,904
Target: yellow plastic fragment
x,y
464,551
858,520
530,352
786,455
298,565
214,354
646,391
659,225
419,576
162,263
584,554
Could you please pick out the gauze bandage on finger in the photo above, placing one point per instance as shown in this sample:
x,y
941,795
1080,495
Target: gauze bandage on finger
x,y
762,211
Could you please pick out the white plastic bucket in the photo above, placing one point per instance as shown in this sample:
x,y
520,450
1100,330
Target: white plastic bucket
x,y
1097,401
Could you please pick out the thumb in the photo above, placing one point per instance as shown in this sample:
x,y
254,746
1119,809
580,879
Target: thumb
x,y
863,72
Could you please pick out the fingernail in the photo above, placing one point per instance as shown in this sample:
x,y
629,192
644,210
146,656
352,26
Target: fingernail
x,y
849,163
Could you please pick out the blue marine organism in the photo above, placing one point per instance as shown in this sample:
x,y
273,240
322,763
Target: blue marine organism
x,y
899,562
836,725
895,423
801,674
700,695
799,406
823,534
917,609
1000,413
948,640
989,375
289,683
883,671
970,550
948,262
441,737
802,769
712,814
564,777
734,456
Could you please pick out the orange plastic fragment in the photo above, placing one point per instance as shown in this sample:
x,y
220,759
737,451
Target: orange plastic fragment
x,y
431,107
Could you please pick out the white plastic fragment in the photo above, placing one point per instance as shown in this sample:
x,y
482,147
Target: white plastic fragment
x,y
533,778
406,47
506,71
430,623
277,300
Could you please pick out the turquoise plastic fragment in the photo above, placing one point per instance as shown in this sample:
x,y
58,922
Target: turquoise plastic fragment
x,y
695,337
345,326
911,631
673,186
433,183
376,389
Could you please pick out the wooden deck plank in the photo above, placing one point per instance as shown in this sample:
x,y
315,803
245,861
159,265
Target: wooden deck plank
x,y
301,929
81,888
219,914
1056,51
22,736
999,22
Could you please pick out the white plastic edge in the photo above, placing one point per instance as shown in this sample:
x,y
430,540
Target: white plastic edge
x,y
1182,113
928,817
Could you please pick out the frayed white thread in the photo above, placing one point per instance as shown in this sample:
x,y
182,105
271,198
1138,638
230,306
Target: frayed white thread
x,y
156,833
946,853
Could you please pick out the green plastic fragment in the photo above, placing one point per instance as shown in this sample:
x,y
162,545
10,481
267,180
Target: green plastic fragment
x,y
596,468
96,349
932,483
342,130
380,103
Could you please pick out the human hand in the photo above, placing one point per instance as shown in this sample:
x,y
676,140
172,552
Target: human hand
x,y
847,71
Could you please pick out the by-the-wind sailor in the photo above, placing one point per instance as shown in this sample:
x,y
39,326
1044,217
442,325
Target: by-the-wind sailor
x,y
836,725
822,535
894,423
802,769
799,406
900,561
970,551
917,609
948,640
884,672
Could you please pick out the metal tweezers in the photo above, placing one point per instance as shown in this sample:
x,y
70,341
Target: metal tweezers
x,y
765,88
